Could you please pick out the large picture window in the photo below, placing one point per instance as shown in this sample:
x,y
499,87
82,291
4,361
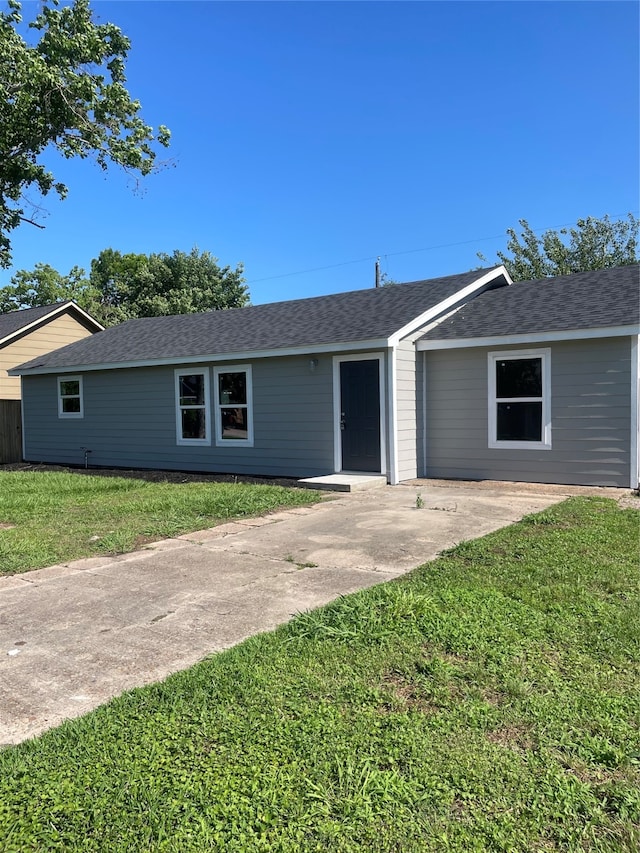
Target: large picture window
x,y
519,399
192,407
70,398
234,410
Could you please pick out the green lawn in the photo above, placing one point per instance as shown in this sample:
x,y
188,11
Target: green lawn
x,y
46,518
490,701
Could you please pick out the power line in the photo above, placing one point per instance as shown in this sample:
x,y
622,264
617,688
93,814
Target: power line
x,y
618,218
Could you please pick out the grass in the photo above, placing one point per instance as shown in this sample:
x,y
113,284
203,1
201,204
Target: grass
x,y
489,701
46,518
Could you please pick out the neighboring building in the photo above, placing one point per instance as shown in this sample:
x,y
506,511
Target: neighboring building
x,y
465,376
25,335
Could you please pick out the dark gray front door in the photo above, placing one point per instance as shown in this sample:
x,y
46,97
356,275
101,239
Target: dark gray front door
x,y
360,415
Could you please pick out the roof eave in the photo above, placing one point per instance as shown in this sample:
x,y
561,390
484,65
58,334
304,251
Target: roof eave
x,y
587,333
242,355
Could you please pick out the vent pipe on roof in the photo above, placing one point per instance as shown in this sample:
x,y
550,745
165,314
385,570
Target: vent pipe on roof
x,y
378,272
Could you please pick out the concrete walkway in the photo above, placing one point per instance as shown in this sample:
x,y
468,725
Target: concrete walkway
x,y
72,636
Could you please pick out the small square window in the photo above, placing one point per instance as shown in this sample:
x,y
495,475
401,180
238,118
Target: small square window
x,y
519,421
519,377
70,402
233,388
194,424
192,389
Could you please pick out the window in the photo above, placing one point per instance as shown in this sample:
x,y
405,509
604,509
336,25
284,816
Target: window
x,y
519,399
234,415
192,407
70,403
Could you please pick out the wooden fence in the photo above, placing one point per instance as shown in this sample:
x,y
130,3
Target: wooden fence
x,y
10,432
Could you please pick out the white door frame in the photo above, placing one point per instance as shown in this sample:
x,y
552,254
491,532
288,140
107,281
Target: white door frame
x,y
337,432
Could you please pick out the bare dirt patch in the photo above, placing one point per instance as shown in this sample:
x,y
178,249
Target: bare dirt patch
x,y
407,695
517,738
631,501
153,475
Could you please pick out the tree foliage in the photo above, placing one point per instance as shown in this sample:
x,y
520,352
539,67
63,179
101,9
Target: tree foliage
x,y
66,90
155,285
121,287
592,244
43,286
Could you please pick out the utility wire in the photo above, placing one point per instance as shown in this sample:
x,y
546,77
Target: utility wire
x,y
618,218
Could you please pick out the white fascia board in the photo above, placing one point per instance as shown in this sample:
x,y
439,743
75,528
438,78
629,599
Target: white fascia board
x,y
86,316
460,296
531,338
242,355
59,309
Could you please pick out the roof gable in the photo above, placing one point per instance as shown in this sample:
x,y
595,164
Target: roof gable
x,y
591,300
370,316
17,323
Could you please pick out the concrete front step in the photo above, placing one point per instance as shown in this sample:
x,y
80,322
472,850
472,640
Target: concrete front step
x,y
344,482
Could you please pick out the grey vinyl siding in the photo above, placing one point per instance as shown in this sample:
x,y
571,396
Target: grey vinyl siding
x,y
420,413
590,417
130,421
406,403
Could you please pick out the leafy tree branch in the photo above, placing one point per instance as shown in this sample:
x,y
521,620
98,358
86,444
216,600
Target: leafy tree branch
x,y
66,90
593,244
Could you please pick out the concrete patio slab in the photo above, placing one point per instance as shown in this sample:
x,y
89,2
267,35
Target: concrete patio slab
x,y
344,482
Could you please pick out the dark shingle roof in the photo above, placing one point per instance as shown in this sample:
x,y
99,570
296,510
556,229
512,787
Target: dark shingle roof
x,y
14,321
359,315
586,300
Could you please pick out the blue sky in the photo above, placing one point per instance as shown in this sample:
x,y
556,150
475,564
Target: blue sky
x,y
310,137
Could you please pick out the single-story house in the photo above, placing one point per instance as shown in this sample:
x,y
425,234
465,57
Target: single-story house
x,y
464,376
27,334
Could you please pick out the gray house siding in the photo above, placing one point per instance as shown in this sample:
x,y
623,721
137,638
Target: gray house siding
x,y
130,421
406,403
590,417
421,403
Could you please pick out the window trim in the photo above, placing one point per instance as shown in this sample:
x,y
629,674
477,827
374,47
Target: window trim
x,y
513,355
218,406
192,442
61,397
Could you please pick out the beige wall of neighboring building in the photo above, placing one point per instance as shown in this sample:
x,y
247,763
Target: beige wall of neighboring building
x,y
58,332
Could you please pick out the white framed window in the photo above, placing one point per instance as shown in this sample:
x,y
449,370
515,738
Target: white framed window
x,y
520,399
192,406
70,397
233,405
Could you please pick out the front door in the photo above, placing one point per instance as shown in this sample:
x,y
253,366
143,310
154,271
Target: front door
x,y
360,415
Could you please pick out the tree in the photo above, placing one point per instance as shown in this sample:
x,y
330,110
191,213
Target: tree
x,y
121,287
593,244
44,286
67,90
160,284
116,278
